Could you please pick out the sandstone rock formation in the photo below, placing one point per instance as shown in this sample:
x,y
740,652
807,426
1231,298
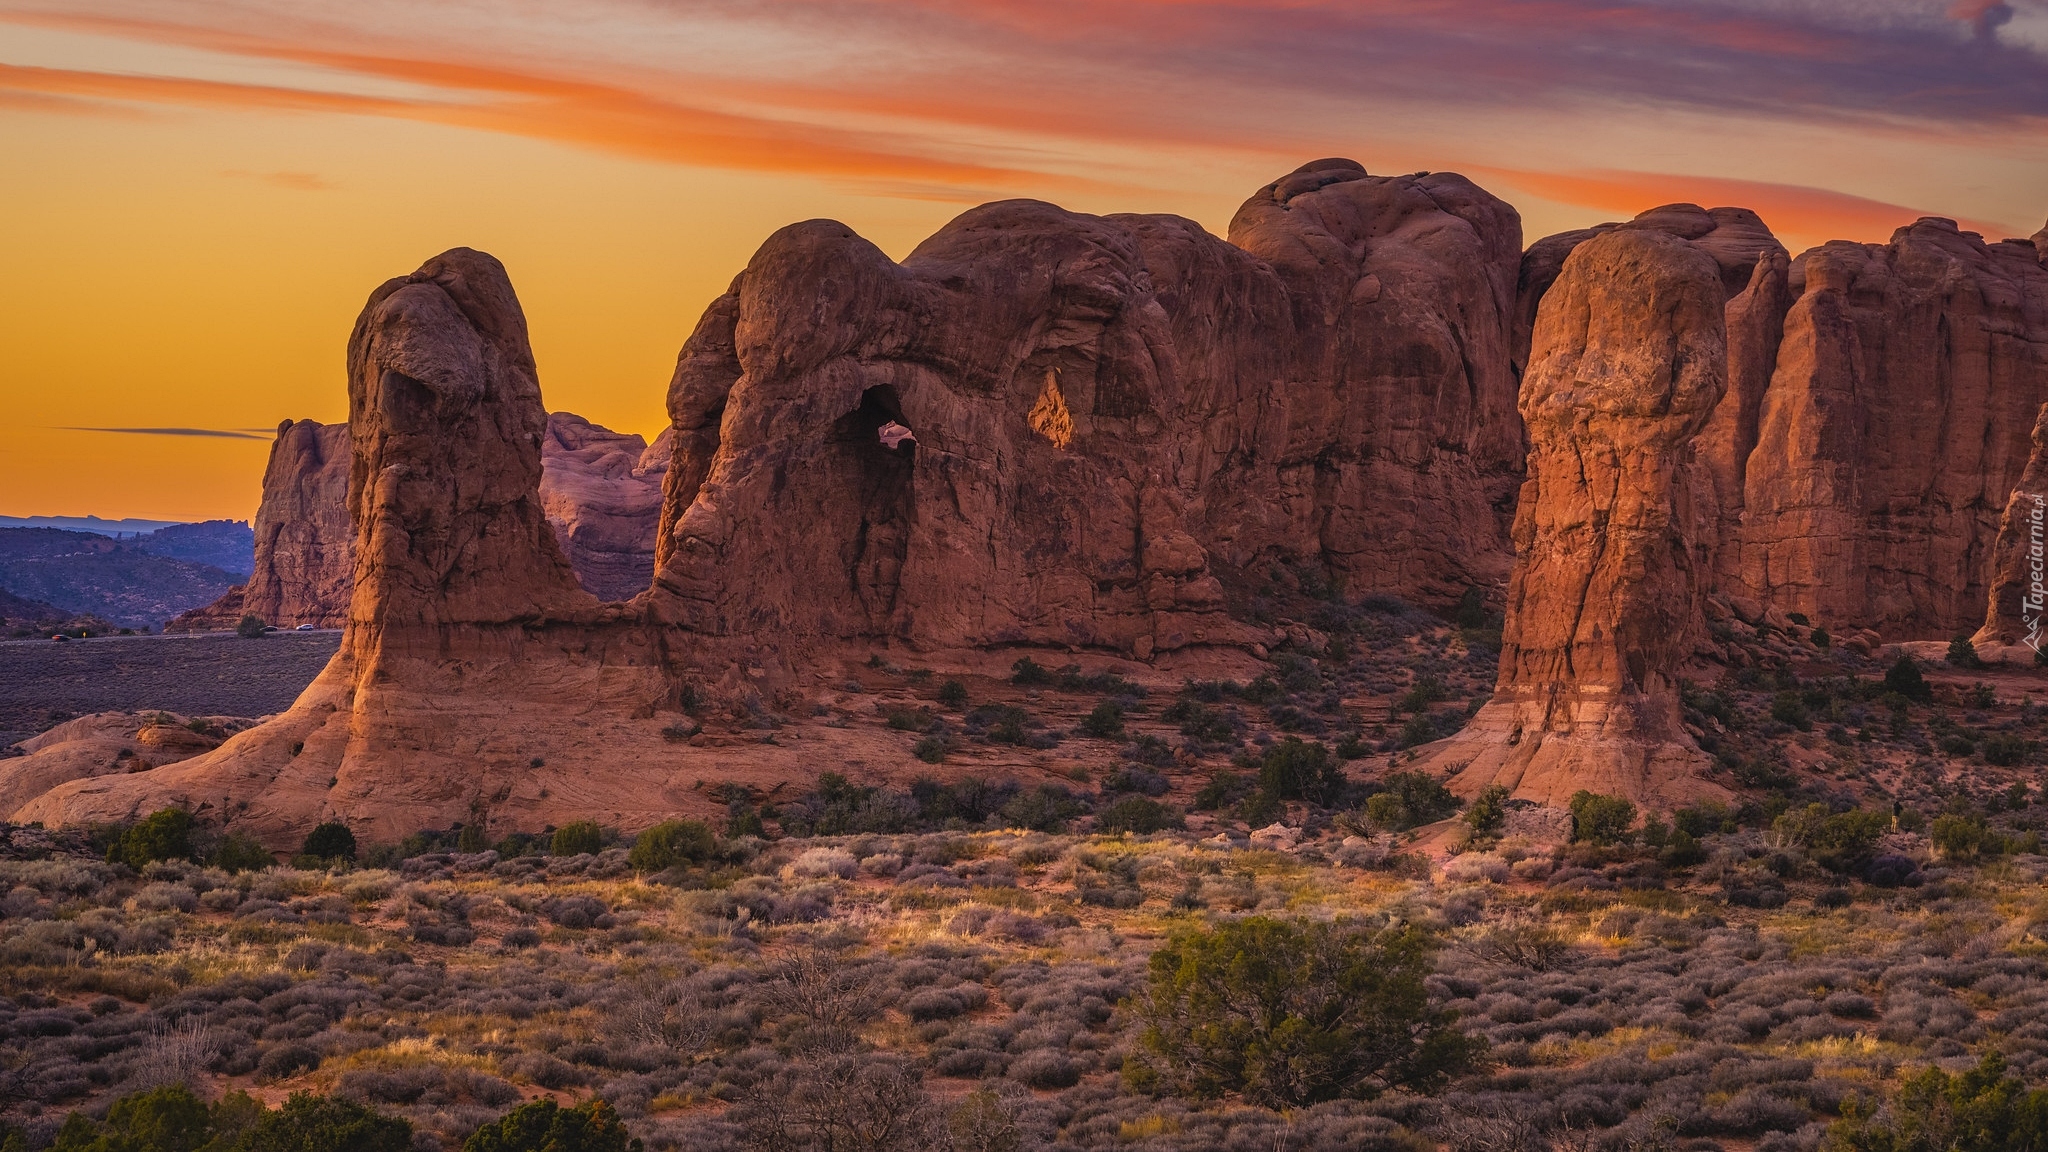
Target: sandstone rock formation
x,y
1112,415
303,570
602,491
102,744
470,651
1628,363
2016,612
1894,429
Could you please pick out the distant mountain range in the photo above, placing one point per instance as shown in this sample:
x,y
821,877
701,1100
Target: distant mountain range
x,y
117,528
138,582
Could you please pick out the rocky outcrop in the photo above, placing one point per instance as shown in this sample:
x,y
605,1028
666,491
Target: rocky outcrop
x,y
2018,599
1894,430
303,569
600,489
1111,416
106,743
602,492
1628,364
470,653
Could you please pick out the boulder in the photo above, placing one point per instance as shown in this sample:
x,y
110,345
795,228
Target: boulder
x,y
1613,562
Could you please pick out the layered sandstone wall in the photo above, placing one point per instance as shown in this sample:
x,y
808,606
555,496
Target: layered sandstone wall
x,y
1894,430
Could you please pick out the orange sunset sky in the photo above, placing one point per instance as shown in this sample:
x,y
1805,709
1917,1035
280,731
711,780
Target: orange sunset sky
x,y
195,198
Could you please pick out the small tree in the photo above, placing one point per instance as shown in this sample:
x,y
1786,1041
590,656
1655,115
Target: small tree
x,y
1963,654
1599,819
672,843
1409,800
1296,769
545,1126
165,834
1288,1013
576,838
1904,678
330,841
1106,722
251,627
310,1123
239,853
1488,813
1137,814
167,1119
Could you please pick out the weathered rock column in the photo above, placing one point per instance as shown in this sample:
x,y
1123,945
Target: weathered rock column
x,y
1628,362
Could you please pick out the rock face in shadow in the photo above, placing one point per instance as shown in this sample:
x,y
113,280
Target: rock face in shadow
x,y
1894,430
1628,363
303,569
470,652
1112,417
602,492
2018,599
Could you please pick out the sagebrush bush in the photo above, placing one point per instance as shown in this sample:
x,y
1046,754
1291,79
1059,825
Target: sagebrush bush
x,y
1291,1013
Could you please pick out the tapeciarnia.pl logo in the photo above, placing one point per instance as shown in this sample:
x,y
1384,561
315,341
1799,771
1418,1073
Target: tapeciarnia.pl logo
x,y
2037,568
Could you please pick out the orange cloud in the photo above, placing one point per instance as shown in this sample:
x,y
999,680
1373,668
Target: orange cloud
x,y
1801,215
567,111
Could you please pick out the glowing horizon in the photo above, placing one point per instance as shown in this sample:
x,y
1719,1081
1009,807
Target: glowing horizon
x,y
201,195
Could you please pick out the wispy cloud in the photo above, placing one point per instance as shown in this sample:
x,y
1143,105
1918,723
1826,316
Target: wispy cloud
x,y
223,433
965,101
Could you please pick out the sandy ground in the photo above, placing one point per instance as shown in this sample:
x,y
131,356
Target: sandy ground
x,y
43,682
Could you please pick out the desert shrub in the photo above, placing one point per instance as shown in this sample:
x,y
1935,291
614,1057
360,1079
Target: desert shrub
x,y
1893,871
310,1123
250,627
172,1119
1980,1110
330,841
1137,814
1961,837
1029,673
839,807
1904,678
1789,708
1488,812
2007,750
1105,722
239,853
930,749
1408,800
165,834
167,1119
1131,778
577,838
1046,808
574,911
1962,653
1839,842
865,1103
670,844
1290,1013
1598,819
1295,769
545,1126
953,694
